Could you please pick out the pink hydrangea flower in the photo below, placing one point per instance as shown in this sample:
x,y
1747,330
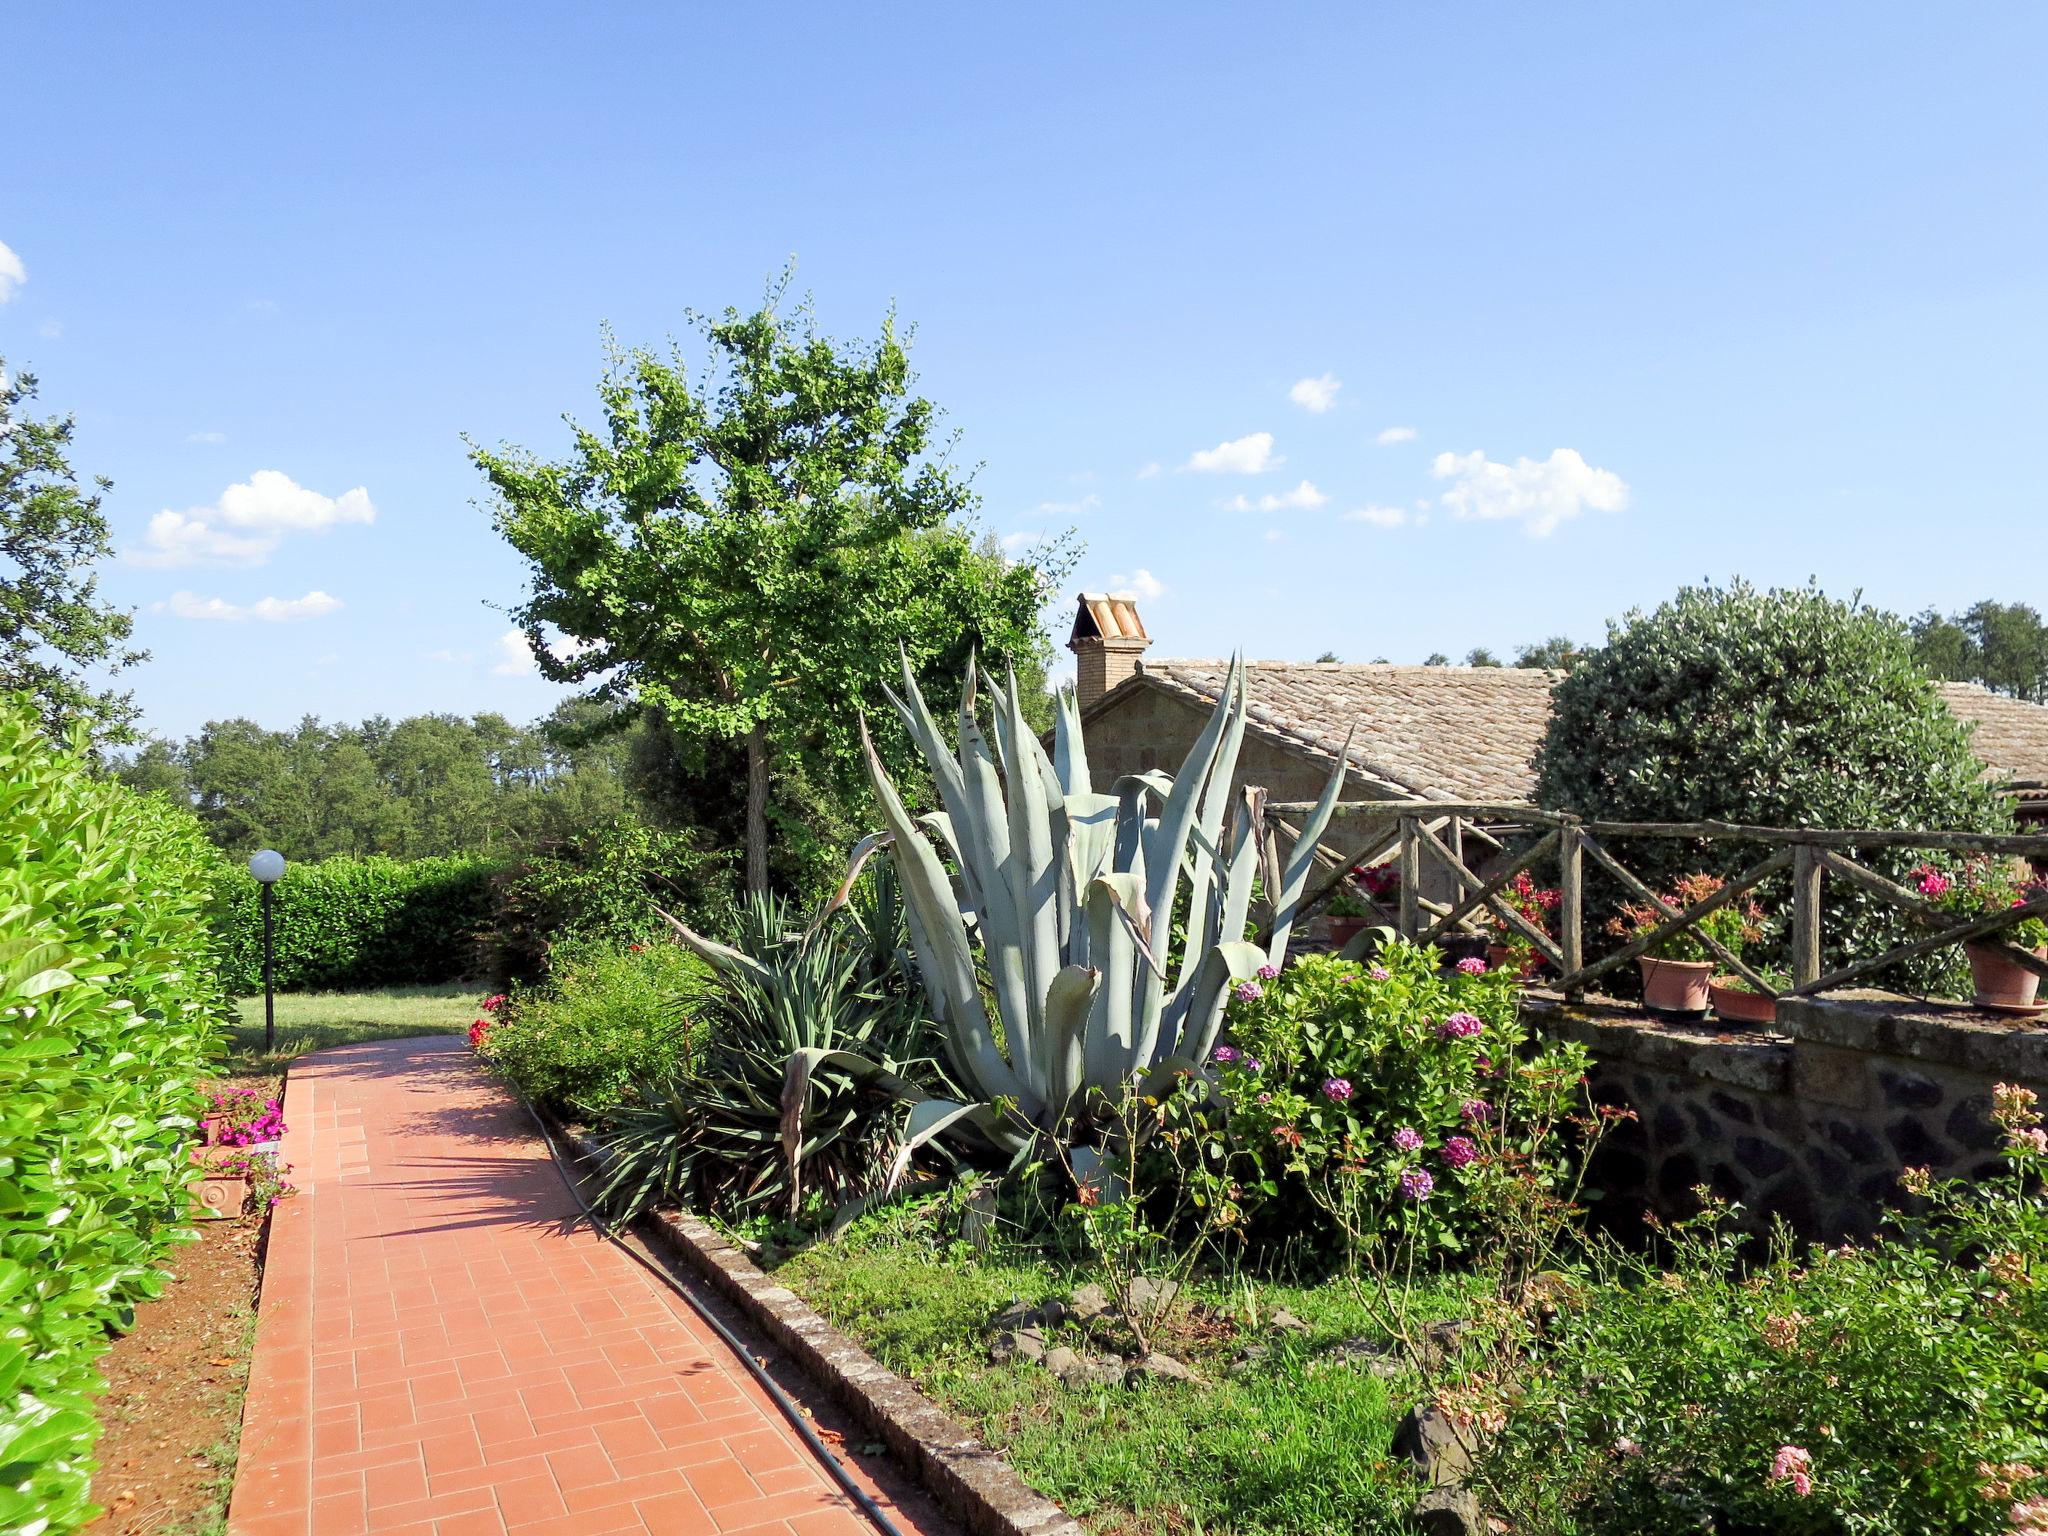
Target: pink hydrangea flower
x,y
1408,1139
1380,973
1416,1184
1249,992
1336,1089
1792,1465
1933,883
1459,1026
1267,972
1460,1150
1475,1111
1472,965
1225,1054
1252,1065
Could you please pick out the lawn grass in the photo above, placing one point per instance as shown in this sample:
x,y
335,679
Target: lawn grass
x,y
1294,1444
311,1021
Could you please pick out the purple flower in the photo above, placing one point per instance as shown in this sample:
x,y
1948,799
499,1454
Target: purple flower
x,y
1472,965
1336,1089
1460,1150
1267,972
1380,973
1408,1139
1475,1111
1225,1054
1249,992
1459,1026
1416,1184
1265,1098
1251,1065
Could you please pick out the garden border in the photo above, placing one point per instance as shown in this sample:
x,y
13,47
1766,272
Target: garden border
x,y
970,1480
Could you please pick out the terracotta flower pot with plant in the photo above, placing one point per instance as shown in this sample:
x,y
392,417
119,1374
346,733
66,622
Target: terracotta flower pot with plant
x,y
1510,950
1349,913
1736,1001
1979,887
1678,970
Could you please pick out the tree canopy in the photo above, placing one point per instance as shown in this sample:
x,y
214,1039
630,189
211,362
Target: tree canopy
x,y
54,627
2004,646
743,555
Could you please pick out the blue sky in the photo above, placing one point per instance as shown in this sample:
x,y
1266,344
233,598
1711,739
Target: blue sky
x,y
1654,293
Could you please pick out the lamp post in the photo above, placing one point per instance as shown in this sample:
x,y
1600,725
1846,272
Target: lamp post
x,y
268,868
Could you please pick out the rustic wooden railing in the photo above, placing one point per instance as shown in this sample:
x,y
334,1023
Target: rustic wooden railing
x,y
1422,833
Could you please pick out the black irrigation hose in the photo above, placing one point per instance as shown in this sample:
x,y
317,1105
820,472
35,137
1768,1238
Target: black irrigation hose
x,y
868,1507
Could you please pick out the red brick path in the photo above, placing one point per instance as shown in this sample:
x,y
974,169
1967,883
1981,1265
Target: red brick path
x,y
440,1354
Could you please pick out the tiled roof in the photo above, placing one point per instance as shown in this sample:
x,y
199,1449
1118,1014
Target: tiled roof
x,y
1468,733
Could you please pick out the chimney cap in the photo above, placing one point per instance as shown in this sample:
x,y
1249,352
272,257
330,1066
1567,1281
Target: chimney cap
x,y
1101,616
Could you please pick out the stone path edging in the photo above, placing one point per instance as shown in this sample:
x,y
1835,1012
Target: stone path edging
x,y
971,1481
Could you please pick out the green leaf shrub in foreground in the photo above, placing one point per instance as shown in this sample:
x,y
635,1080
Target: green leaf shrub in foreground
x,y
351,923
109,1007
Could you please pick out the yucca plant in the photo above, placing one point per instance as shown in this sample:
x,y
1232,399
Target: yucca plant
x,y
1038,951
809,1055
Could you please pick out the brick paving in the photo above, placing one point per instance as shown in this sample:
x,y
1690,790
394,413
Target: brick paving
x,y
442,1352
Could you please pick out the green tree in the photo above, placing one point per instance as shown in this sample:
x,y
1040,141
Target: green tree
x,y
745,554
1555,654
54,628
1480,656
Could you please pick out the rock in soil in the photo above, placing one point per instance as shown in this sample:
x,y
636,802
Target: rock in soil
x,y
1286,1321
1158,1367
1381,1357
1088,1303
1431,1446
1248,1358
1149,1296
1449,1511
1017,1343
1073,1371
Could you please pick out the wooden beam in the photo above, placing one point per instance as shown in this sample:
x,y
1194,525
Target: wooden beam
x,y
1524,860
1808,866
1643,943
1916,906
1571,905
1507,914
1411,869
1814,837
1961,933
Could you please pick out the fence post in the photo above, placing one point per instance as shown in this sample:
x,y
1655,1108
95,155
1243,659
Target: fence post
x,y
1411,871
1571,905
1807,865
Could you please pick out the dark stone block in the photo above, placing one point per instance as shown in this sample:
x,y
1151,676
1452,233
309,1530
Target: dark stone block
x,y
1857,1142
1791,1198
1765,1159
1908,1090
1620,1172
1728,1182
1827,1170
1705,1128
1880,1189
1991,1168
1970,1125
1730,1107
1676,1179
1668,1125
1915,1144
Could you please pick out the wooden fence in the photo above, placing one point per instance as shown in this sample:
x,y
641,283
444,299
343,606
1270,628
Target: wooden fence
x,y
1425,833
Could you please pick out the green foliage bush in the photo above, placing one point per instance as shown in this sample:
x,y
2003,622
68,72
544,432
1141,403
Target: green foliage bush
x,y
609,1016
605,884
1781,708
346,923
109,1009
1900,1387
1377,1071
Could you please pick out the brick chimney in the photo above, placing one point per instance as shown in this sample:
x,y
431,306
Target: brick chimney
x,y
1108,639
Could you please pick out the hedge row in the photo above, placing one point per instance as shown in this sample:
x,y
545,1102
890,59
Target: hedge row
x,y
109,1009
358,923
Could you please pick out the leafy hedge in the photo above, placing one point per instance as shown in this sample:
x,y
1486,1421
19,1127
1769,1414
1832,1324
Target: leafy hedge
x,y
358,923
109,1007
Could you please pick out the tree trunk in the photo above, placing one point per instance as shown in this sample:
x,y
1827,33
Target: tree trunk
x,y
757,810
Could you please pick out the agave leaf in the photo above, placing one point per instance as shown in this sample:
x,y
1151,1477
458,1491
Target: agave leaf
x,y
1208,834
1069,753
1093,1170
1067,1004
863,850
1113,950
722,956
987,826
933,1117
1302,859
1243,864
1034,877
1223,967
797,1073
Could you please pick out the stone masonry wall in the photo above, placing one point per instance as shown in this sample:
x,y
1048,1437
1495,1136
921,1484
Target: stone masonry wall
x,y
1812,1122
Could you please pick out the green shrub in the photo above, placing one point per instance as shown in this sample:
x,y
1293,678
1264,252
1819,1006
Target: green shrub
x,y
109,1009
347,923
1890,1389
1385,1071
1780,708
609,1016
603,885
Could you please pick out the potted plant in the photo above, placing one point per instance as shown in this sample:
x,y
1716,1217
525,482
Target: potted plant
x,y
1981,886
1349,912
1738,1002
1678,969
222,1189
1511,951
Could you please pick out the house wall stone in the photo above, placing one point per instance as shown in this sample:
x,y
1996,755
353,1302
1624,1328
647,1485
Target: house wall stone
x,y
1814,1123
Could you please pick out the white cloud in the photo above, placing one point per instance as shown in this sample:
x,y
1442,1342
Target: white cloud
x,y
50,330
1539,493
1140,584
515,656
1317,395
12,273
1302,497
206,437
450,658
1248,455
1379,517
1147,471
1014,542
1087,503
270,610
1394,435
257,514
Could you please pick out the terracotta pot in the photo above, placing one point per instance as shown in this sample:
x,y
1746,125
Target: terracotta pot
x,y
1342,930
220,1198
1739,1006
1675,986
2001,983
1498,956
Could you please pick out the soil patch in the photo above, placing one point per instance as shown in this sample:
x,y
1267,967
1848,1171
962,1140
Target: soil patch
x,y
172,1412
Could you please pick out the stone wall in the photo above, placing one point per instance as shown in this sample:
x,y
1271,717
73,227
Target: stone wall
x,y
1812,1122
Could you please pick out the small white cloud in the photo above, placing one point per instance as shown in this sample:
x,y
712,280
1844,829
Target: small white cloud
x,y
1013,543
1317,395
1086,503
1393,435
1379,517
1147,471
248,522
1275,535
450,658
1251,454
262,306
12,273
206,437
269,610
1141,585
1302,497
50,330
515,655
1539,494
